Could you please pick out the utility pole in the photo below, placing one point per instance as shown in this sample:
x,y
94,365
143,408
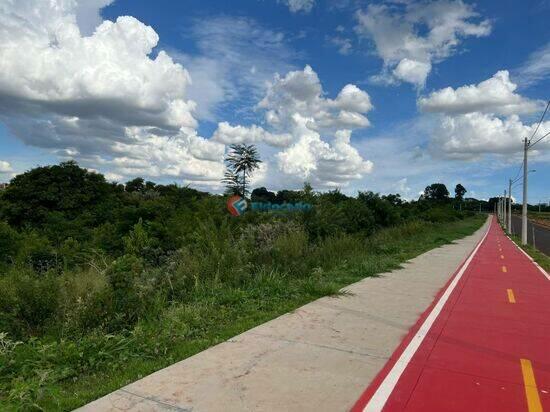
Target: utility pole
x,y
510,206
504,221
524,208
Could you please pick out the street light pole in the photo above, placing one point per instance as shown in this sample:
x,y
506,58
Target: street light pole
x,y
504,221
524,208
510,206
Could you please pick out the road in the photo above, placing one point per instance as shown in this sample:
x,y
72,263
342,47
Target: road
x,y
541,234
481,346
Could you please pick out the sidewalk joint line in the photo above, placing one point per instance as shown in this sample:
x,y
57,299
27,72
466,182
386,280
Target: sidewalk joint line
x,y
163,403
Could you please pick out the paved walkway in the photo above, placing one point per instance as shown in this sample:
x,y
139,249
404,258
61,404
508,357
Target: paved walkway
x,y
318,358
484,345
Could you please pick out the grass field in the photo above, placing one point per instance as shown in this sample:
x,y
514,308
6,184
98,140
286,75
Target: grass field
x,y
542,218
537,255
32,374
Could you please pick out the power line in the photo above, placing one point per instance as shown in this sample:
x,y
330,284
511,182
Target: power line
x,y
540,121
519,171
531,145
522,181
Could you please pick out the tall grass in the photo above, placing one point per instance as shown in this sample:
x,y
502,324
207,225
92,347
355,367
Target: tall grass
x,y
107,326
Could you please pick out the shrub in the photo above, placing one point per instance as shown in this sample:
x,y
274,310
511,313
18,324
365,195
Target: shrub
x,y
290,249
122,276
323,220
70,253
138,242
87,301
385,213
28,302
440,215
35,251
9,243
106,237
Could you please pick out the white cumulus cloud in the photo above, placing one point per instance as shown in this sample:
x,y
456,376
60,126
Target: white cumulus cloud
x,y
228,134
101,92
5,167
472,135
495,95
480,119
300,92
317,130
299,5
411,36
101,96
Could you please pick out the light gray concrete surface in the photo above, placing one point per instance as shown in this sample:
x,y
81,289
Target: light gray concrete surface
x,y
319,357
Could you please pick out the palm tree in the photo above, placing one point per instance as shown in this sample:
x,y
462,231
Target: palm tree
x,y
241,161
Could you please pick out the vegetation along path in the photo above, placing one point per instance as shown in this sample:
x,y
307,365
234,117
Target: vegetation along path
x,y
537,234
102,283
316,358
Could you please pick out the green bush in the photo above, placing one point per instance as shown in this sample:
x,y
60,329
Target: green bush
x,y
93,275
70,253
28,302
440,215
9,244
122,276
36,252
385,213
289,251
87,302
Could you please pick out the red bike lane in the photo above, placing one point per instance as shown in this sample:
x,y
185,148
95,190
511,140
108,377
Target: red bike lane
x,y
483,344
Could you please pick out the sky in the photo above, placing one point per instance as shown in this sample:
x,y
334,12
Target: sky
x,y
387,96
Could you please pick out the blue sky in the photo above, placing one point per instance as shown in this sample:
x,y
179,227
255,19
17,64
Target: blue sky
x,y
359,101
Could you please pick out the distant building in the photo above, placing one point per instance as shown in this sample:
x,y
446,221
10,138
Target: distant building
x,y
3,186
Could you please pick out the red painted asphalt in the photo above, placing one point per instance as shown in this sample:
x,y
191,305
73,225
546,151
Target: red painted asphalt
x,y
471,358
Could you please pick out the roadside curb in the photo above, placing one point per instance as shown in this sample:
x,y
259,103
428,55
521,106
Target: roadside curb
x,y
530,258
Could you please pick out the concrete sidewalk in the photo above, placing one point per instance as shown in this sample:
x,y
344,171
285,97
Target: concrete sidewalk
x,y
318,358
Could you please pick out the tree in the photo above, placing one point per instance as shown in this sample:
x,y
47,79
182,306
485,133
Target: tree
x,y
135,185
436,191
241,161
394,199
65,189
460,191
288,196
307,192
261,194
233,185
